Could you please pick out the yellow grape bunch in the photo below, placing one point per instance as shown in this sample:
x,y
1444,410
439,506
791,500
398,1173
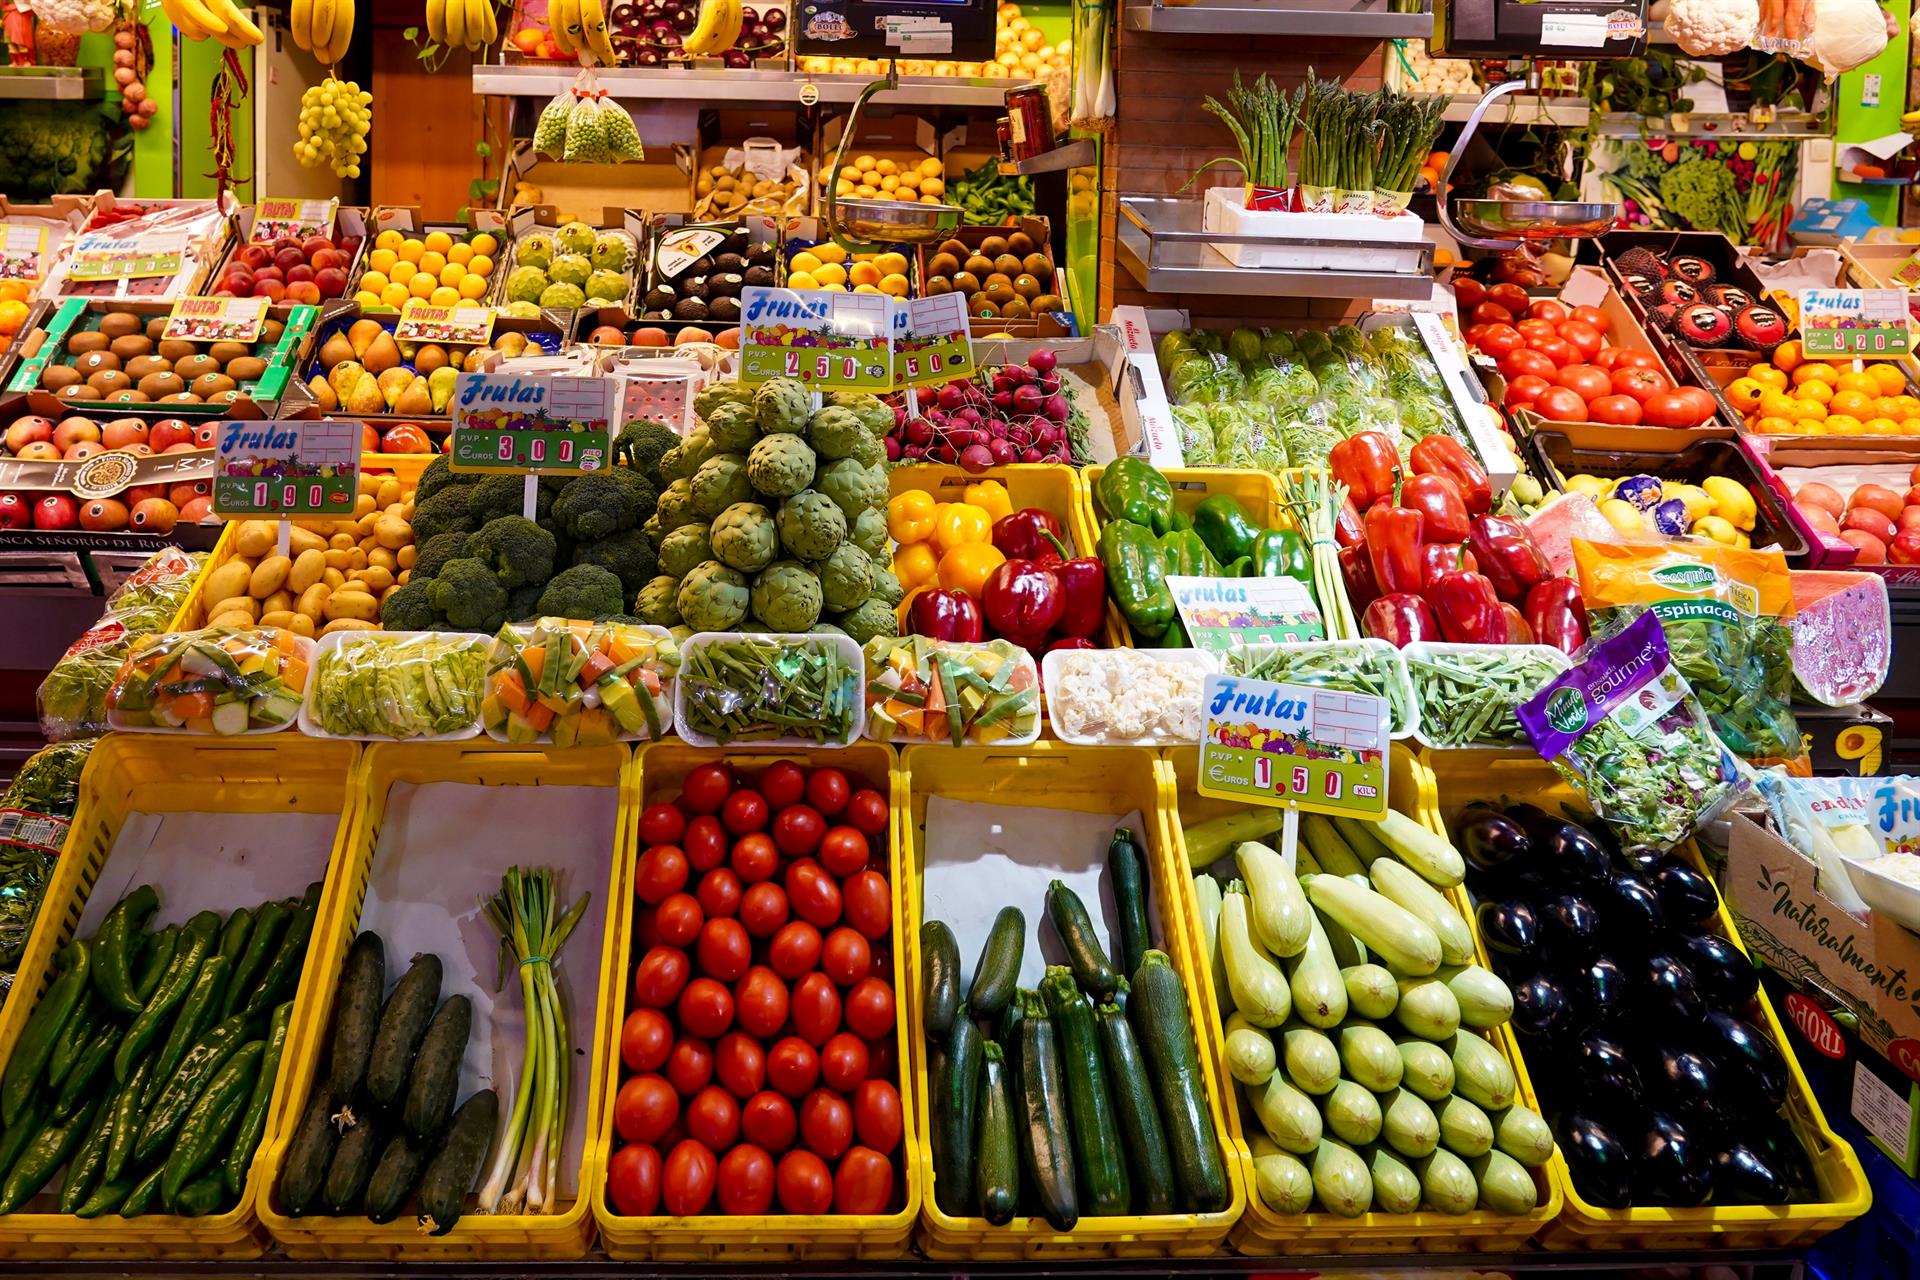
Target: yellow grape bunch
x,y
335,117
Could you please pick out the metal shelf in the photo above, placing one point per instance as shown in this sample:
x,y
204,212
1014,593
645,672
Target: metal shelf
x,y
1359,21
1732,125
1524,108
51,84
1076,154
1160,243
648,84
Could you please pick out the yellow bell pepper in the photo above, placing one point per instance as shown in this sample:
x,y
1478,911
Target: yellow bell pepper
x,y
958,524
910,517
991,497
968,566
915,565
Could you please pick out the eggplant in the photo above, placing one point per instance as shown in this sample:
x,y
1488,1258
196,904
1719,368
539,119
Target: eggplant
x,y
1742,1175
1542,1009
1686,897
1570,926
1724,974
1605,1070
1667,989
1533,820
1492,845
1673,1165
1603,989
1573,854
1690,1081
1632,907
1602,1167
1510,929
1776,1142
1746,1054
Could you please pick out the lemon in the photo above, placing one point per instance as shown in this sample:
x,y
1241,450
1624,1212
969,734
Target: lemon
x,y
886,168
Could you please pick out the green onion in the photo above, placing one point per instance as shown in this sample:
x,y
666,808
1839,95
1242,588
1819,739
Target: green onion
x,y
1315,502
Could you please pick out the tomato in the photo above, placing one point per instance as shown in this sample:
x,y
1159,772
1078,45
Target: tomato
x,y
798,830
707,788
706,1007
1556,349
1641,384
660,976
876,1115
1549,310
1468,293
690,1066
705,842
1669,409
881,1056
867,811
1498,340
1607,358
826,1123
869,907
815,894
783,784
767,1120
645,1038
725,950
1537,328
760,1001
764,909
1491,313
755,858
1620,411
645,1108
795,950
1703,403
1641,360
1583,338
1561,405
844,851
713,1118
843,1061
1593,316
869,1008
1590,382
660,873
746,1181
793,1067
827,791
804,1184
846,957
633,1180
1525,389
646,930
1510,296
864,1182
815,1008
677,921
719,893
744,811
662,824
687,1179
1525,361
741,1064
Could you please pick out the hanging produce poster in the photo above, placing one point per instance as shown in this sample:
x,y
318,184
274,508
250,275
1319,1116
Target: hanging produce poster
x,y
293,220
1220,613
932,342
547,423
280,469
1845,323
1294,745
110,255
830,341
21,251
199,319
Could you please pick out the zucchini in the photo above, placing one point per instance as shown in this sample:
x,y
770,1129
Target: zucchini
x,y
394,1177
1313,978
351,1167
1044,1118
356,1016
1280,1180
436,1069
999,1156
1250,1054
1140,1128
1259,989
940,978
998,973
953,1178
1393,881
936,1099
1288,1115
450,1174
1430,856
402,1025
1371,990
1085,956
1096,1139
1401,939
1330,848
1127,865
1206,893
1280,914
1166,1032
309,1154
1341,1182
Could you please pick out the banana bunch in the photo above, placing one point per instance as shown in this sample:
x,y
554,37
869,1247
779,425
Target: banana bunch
x,y
718,28
462,24
579,27
213,20
322,27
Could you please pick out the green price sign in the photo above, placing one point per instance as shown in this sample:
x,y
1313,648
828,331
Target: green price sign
x,y
547,423
932,342
287,469
1847,324
1294,746
830,341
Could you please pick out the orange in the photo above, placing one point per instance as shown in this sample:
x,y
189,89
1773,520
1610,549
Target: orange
x,y
1910,427
1856,403
1845,424
1909,407
14,290
439,242
1887,407
472,286
484,244
389,239
1878,426
13,314
410,250
1865,383
402,272
433,262
481,265
1809,371
444,296
1787,357
1768,376
382,260
1744,393
1804,410
375,282
1777,404
1773,426
422,286
1892,381
460,253
1815,390
394,295
452,273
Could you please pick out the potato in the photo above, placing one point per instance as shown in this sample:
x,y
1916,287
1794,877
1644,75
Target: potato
x,y
268,576
229,580
282,618
364,504
356,560
389,591
332,578
306,540
376,579
281,600
313,601
334,558
255,537
306,571
406,509
243,605
406,576
370,482
382,557
349,624
363,526
341,542
301,625
351,604
406,555
388,494
393,531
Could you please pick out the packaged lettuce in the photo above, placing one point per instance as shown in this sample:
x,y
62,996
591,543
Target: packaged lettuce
x,y
1623,726
1192,423
36,811
73,697
397,684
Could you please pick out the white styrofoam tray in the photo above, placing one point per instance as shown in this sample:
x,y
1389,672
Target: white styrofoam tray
x,y
850,654
1438,651
1314,241
306,646
1052,664
1380,650
870,693
1898,899
341,639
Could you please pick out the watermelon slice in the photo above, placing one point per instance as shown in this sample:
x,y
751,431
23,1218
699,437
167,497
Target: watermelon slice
x,y
1842,635
1558,523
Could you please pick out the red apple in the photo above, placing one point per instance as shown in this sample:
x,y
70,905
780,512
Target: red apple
x,y
255,256
1819,517
1815,494
104,515
167,431
187,490
1878,498
331,280
186,447
71,431
197,509
82,449
1867,520
303,291
122,432
39,451
56,511
265,288
22,432
1867,548
1905,547
141,492
15,511
1909,519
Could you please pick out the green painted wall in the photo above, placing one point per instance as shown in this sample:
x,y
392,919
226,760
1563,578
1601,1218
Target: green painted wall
x,y
153,149
1857,123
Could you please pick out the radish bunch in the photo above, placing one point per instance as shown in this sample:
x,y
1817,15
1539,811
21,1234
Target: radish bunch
x,y
1016,413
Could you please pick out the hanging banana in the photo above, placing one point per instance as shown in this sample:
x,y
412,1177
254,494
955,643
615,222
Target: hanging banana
x,y
436,21
718,27
194,19
336,46
241,33
593,25
563,23
456,20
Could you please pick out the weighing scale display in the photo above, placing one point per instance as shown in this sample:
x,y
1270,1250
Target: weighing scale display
x,y
952,30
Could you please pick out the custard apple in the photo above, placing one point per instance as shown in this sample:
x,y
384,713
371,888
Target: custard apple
x,y
526,284
570,268
522,310
562,295
744,537
786,596
535,250
780,465
607,286
576,238
811,526
612,251
712,597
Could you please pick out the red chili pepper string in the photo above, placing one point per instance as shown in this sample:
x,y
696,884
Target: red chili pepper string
x,y
229,91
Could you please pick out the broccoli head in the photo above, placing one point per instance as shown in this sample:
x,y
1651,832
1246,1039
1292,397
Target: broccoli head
x,y
434,553
469,595
523,603
645,495
640,445
518,550
585,591
407,608
595,505
496,496
445,512
627,554
438,475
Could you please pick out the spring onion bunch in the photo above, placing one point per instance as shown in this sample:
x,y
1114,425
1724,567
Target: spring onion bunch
x,y
1314,500
526,1156
1263,121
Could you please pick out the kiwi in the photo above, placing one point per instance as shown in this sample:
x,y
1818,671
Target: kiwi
x,y
271,330
966,282
955,247
1036,264
939,284
1026,286
171,349
134,344
58,377
132,395
942,264
246,369
197,367
81,343
1015,309
140,366
1020,242
225,351
979,265
181,397
1044,303
75,393
118,324
993,246
224,397
108,381
209,385
983,306
94,361
158,385
1009,265
157,327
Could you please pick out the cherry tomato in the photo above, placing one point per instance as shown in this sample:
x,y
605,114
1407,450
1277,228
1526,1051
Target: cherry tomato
x,y
1703,402
1669,409
645,1038
846,957
1558,350
767,1120
826,1123
1583,338
815,1008
719,893
1549,310
760,1001
746,1181
795,950
783,784
677,921
1589,381
815,894
660,976
645,1108
764,909
804,1183
843,1061
633,1180
876,1115
713,1118
755,858
741,1064
1528,361
1500,340
1622,411
705,842
687,1179
1641,384
798,830
864,1182
869,1008
690,1066
707,788
1561,405
661,873
1491,313
844,851
662,824
1525,389
869,907
725,951
706,1007
1511,296
744,811
1593,316
793,1067
827,791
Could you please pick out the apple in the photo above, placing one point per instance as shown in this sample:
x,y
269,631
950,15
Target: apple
x,y
139,493
56,511
104,515
299,271
139,450
15,511
72,431
303,291
315,244
1867,548
1905,547
1815,494
184,447
122,432
22,432
81,449
265,288
331,280
167,431
39,451
1867,520
1820,518
1909,519
153,515
197,509
1878,498
255,256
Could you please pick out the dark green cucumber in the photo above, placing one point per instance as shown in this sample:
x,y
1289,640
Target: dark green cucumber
x,y
998,1152
403,1023
356,1016
953,1177
394,1177
1173,1062
144,1195
352,1165
43,1155
173,1099
205,1195
450,1174
1096,1139
196,1015
207,1125
435,1077
1084,954
1044,1118
1127,865
940,969
1140,1128
309,1154
253,1120
997,975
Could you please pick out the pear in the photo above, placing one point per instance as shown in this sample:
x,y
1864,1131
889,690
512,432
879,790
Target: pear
x,y
365,398
361,334
440,384
511,344
392,382
335,350
416,400
343,376
323,394
382,354
428,358
474,357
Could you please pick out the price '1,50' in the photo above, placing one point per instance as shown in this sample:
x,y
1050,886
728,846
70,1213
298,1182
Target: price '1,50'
x,y
536,449
1298,777
822,366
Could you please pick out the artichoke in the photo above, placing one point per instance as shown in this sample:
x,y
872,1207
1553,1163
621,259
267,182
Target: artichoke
x,y
720,482
886,587
712,597
676,507
786,596
658,602
874,618
684,548
780,465
876,414
744,537
846,578
782,405
811,526
733,426
715,394
869,533
837,433
853,487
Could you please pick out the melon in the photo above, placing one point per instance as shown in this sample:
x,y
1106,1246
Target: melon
x,y
1569,516
1842,635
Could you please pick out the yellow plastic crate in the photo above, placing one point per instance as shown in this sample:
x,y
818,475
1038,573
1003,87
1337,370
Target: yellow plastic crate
x,y
564,1235
407,466
662,768
1087,780
130,774
1461,777
1261,1231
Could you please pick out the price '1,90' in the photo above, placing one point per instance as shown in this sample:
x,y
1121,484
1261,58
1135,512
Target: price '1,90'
x,y
822,366
289,495
537,449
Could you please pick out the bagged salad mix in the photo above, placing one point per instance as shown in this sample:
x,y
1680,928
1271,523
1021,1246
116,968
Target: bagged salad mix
x,y
73,697
36,811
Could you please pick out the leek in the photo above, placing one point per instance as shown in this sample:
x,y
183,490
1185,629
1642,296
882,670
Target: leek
x,y
1093,92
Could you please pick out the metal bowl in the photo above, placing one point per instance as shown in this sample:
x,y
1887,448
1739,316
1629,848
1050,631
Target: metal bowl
x,y
1535,219
893,221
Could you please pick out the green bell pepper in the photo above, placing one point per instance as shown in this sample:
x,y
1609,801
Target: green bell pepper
x,y
1132,490
1174,637
1241,568
1186,553
1282,553
1137,576
1223,525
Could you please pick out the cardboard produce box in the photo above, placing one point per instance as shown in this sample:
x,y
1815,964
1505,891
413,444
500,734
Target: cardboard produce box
x,y
958,260
192,234
746,163
905,142
563,189
1845,463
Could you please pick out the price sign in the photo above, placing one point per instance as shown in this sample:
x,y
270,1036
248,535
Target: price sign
x,y
109,255
1295,746
1221,613
1846,324
217,319
22,250
462,324
292,220
830,341
546,423
932,342
280,469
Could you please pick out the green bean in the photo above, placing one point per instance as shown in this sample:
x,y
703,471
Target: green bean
x,y
1468,696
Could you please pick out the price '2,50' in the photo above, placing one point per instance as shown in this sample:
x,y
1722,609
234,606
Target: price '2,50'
x,y
822,366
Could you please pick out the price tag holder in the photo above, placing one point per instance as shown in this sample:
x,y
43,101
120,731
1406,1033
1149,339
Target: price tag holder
x,y
105,255
1294,746
202,319
22,250
282,470
464,324
543,423
292,220
932,342
1848,324
829,341
1221,613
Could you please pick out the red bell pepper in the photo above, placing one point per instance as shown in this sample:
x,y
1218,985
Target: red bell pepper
x,y
1347,529
1357,572
1083,582
1394,535
1024,602
1467,609
1400,619
1557,614
1444,456
1020,536
1438,499
1072,642
1437,558
1518,632
1368,464
946,615
1508,557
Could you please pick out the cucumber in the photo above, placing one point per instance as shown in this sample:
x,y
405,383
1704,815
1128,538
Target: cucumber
x,y
1127,864
1259,989
1166,1033
997,974
1384,927
953,1178
351,1166
936,1099
1281,918
356,1016
1096,1139
394,1177
1314,978
403,1023
1044,1118
1145,1138
999,1154
308,1155
435,1077
940,984
450,1174
1084,953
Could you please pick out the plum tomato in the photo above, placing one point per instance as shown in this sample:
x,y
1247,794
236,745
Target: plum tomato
x,y
867,904
827,791
867,811
876,1115
706,788
843,1061
784,784
844,851
706,1008
645,1108
764,909
826,1123
804,1183
661,873
690,1065
760,1002
677,921
646,1037
719,893
754,857
724,949
795,950
793,1067
845,956
743,812
740,1064
815,1008
633,1180
706,843
746,1181
660,976
815,895
687,1179
767,1120
798,830
869,1008
864,1182
713,1118
662,824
